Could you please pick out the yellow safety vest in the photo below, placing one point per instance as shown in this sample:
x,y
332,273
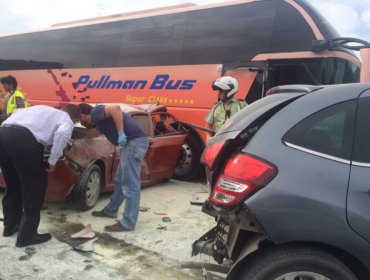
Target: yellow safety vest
x,y
220,116
12,104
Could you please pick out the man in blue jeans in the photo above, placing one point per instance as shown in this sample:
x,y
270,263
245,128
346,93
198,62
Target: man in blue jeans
x,y
120,129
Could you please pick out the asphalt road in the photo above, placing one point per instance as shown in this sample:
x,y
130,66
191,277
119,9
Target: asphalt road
x,y
155,250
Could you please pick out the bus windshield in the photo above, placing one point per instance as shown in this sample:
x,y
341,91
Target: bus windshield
x,y
314,72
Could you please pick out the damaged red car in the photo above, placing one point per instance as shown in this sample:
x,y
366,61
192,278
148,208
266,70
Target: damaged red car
x,y
88,167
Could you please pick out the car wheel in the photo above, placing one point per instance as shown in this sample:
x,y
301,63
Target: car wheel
x,y
188,165
86,191
292,263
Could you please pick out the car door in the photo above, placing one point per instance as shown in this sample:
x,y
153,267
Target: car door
x,y
163,151
358,201
165,143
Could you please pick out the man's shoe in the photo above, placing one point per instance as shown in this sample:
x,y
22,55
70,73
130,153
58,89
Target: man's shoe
x,y
102,214
9,231
117,227
37,239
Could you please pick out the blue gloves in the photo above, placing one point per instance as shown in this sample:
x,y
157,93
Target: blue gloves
x,y
122,138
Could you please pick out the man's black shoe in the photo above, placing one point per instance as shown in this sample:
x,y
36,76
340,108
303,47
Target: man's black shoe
x,y
37,239
9,231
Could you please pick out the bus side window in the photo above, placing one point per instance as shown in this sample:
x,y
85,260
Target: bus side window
x,y
295,72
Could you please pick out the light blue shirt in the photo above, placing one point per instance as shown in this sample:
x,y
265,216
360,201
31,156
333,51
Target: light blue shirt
x,y
48,125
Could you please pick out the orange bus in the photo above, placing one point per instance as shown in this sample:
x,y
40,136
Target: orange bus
x,y
172,55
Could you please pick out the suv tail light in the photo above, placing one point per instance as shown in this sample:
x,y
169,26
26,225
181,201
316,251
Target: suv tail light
x,y
243,175
210,153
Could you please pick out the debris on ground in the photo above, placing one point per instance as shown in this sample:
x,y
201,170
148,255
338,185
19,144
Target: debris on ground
x,y
199,198
160,213
144,209
87,246
162,227
166,219
86,233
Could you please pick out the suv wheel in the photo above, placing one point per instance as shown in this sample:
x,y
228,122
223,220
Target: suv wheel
x,y
291,263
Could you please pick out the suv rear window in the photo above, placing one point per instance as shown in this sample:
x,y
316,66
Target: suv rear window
x,y
264,107
328,131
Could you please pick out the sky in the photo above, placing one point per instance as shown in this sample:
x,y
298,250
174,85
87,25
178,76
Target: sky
x,y
351,18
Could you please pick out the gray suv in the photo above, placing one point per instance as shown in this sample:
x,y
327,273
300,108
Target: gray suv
x,y
290,186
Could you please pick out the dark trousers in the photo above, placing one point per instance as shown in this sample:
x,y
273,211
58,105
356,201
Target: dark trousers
x,y
23,168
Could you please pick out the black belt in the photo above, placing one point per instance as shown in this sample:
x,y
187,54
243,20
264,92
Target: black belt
x,y
15,126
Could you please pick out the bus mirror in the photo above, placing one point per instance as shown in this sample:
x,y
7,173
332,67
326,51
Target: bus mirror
x,y
319,45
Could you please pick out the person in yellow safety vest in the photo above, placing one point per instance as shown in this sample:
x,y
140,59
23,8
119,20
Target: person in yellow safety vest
x,y
227,105
14,99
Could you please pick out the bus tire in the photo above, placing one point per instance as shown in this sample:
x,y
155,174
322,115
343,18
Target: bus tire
x,y
188,165
86,191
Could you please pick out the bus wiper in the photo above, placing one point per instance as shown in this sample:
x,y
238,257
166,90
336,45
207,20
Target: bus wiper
x,y
315,81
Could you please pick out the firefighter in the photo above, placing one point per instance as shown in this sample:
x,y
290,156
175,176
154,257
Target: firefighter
x,y
14,99
227,105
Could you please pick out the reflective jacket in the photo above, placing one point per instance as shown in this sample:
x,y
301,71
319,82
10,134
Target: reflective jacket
x,y
12,104
221,112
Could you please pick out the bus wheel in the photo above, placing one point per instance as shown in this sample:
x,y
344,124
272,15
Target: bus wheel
x,y
188,165
86,191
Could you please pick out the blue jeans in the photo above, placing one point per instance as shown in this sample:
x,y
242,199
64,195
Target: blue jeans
x,y
127,182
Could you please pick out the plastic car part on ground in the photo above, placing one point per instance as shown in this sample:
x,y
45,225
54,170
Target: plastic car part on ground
x,y
86,233
87,246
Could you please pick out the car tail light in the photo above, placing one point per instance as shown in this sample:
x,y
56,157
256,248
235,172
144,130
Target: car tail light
x,y
242,176
210,153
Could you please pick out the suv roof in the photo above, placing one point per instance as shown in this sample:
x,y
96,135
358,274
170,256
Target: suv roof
x,y
294,88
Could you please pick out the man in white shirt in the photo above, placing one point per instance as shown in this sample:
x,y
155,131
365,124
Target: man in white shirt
x,y
22,139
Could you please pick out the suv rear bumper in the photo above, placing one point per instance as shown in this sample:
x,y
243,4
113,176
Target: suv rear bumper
x,y
227,239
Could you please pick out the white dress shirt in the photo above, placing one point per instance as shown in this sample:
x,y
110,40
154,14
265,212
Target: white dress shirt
x,y
48,125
